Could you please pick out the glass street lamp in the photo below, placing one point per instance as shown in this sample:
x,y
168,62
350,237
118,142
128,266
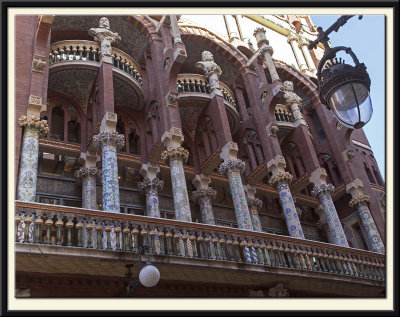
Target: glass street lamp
x,y
343,88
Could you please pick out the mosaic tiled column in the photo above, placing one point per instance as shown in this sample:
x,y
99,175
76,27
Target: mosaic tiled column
x,y
323,192
88,178
232,169
27,177
151,187
254,205
322,223
281,181
109,142
375,241
176,157
204,197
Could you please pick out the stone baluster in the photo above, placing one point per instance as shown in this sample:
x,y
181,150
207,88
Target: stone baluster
x,y
69,225
99,231
192,239
236,250
135,239
89,228
88,177
229,250
38,228
185,238
107,236
222,246
118,243
126,231
281,180
168,236
17,224
49,223
207,244
175,157
79,227
151,185
161,238
200,241
108,143
34,127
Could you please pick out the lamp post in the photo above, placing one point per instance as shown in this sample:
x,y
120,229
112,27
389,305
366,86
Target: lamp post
x,y
343,88
149,275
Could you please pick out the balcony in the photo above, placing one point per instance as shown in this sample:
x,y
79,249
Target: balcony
x,y
75,64
100,243
194,90
284,119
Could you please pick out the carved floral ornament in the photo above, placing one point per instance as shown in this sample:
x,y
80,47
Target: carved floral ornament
x,y
273,129
202,193
175,153
360,200
232,165
173,98
254,203
350,155
280,178
211,70
84,172
155,183
324,189
34,122
278,291
109,138
38,63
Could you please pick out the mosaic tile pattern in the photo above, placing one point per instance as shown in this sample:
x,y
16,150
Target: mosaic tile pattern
x,y
152,203
110,179
370,229
255,220
289,211
179,190
207,215
27,178
89,192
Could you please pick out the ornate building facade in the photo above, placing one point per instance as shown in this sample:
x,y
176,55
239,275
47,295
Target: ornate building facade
x,y
196,138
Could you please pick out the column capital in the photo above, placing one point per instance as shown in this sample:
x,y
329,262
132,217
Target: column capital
x,y
202,193
148,183
291,37
280,178
232,165
302,42
34,122
254,204
109,138
175,153
266,49
84,172
360,200
323,189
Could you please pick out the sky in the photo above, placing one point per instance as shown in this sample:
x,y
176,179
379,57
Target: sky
x,y
366,37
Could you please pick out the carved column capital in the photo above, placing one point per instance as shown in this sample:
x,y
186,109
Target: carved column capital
x,y
155,183
254,204
175,153
109,138
83,172
34,122
266,49
280,178
360,200
203,193
232,165
323,189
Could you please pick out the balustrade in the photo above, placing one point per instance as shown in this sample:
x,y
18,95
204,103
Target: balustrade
x,y
90,51
73,227
283,113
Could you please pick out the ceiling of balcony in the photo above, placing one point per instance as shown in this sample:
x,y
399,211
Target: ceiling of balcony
x,y
133,41
125,94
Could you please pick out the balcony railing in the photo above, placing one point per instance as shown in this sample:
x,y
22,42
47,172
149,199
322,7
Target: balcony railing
x,y
198,83
90,51
283,114
76,227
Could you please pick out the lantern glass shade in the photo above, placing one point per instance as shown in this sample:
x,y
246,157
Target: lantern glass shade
x,y
351,104
149,276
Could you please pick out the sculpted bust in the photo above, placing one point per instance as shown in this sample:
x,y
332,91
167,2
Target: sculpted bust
x,y
210,68
290,96
104,36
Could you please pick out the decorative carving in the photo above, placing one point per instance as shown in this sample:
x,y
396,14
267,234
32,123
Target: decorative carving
x,y
34,122
339,126
281,177
103,35
232,165
203,193
38,63
83,172
150,184
278,291
109,137
350,155
264,96
323,189
174,153
273,129
211,70
35,100
173,98
266,49
360,200
289,95
254,203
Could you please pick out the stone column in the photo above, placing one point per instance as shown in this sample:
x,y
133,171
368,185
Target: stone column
x,y
175,157
106,37
360,203
176,34
151,187
254,205
88,176
293,101
267,51
322,223
293,41
281,180
303,46
203,197
27,177
108,143
336,233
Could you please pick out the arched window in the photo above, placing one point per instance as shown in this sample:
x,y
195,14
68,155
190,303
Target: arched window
x,y
57,124
133,139
121,130
74,131
368,171
377,176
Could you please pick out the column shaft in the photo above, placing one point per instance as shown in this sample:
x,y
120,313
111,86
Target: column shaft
x,y
207,215
373,236
89,192
271,67
110,179
255,219
179,190
27,177
152,204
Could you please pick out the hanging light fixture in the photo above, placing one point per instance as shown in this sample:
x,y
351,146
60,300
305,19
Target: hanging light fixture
x,y
343,88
